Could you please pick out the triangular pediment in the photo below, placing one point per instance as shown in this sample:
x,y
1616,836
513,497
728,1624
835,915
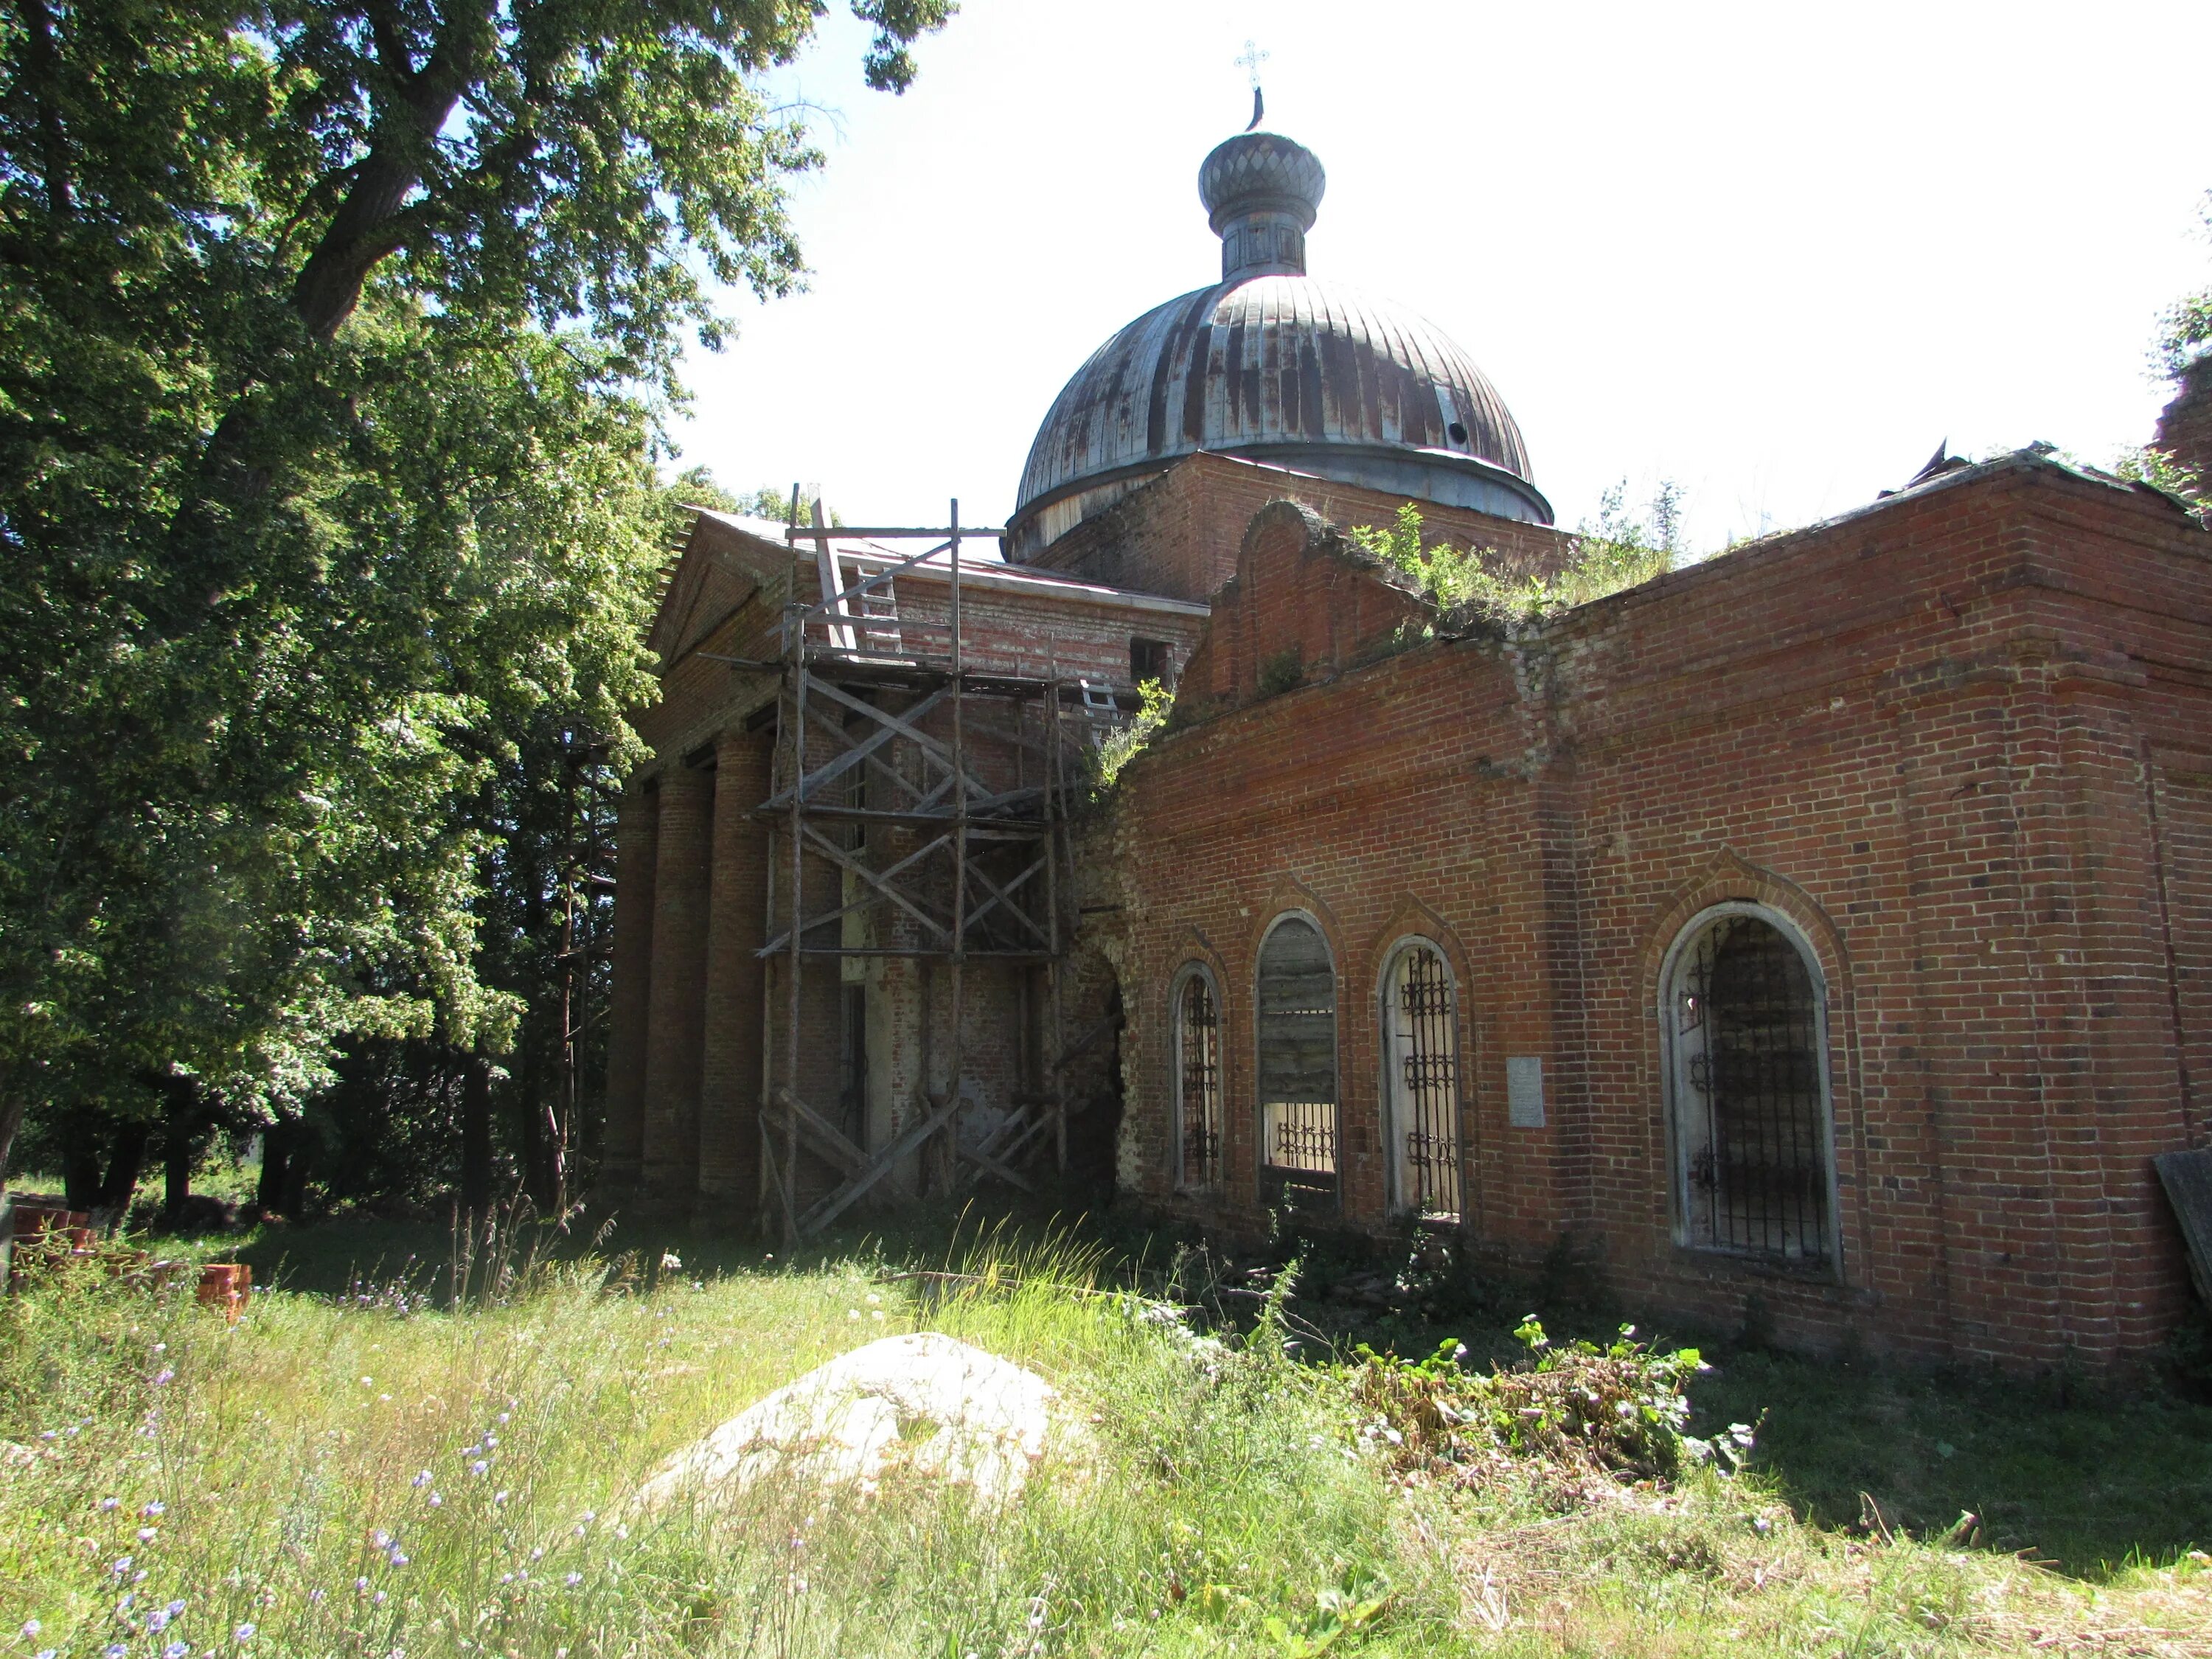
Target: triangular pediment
x,y
723,562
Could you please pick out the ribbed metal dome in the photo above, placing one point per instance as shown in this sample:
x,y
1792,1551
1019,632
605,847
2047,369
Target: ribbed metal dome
x,y
1274,366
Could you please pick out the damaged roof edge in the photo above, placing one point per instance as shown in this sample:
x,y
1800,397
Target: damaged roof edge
x,y
989,573
2032,458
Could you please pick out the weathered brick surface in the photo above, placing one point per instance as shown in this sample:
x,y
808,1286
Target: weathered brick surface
x,y
1179,534
1957,738
674,1027
1304,605
731,1078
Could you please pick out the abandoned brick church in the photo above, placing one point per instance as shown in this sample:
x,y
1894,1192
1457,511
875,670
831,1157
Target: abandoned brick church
x,y
1827,922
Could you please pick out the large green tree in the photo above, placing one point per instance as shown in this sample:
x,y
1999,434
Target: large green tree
x,y
333,339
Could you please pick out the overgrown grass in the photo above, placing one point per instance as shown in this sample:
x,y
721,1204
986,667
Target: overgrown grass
x,y
371,1474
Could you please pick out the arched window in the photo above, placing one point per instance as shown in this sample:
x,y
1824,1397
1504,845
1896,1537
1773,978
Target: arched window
x,y
1197,1081
1746,1019
1420,1059
1297,1060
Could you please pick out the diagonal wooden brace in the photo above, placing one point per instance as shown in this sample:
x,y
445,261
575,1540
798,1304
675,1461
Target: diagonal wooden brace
x,y
830,1208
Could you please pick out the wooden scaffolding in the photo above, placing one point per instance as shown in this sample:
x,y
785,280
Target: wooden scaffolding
x,y
893,740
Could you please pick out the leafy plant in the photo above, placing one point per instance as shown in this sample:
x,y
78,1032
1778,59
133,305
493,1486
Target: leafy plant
x,y
1620,1409
1154,702
1621,552
2160,470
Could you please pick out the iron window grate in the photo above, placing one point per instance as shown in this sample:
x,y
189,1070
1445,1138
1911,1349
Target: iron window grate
x,y
1754,1113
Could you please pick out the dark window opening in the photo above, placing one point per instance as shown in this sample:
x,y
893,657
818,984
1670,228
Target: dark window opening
x,y
1149,660
1751,1102
1298,1061
1458,432
1198,1083
1423,1045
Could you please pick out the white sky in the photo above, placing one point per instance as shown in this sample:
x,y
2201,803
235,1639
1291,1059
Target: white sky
x,y
1772,251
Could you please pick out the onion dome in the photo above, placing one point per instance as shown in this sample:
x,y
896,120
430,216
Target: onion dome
x,y
1274,366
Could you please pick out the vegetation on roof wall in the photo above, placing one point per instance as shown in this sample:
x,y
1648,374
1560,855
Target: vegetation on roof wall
x,y
1621,550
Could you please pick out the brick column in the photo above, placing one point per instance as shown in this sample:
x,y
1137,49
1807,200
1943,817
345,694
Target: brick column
x,y
737,920
674,1028
631,995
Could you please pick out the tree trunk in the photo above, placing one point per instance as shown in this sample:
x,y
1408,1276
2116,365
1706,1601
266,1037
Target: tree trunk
x,y
11,1119
475,1137
277,1145
181,1125
368,225
80,1160
301,1145
530,1137
126,1157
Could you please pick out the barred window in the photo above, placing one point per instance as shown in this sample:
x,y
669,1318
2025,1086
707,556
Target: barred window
x,y
1198,1081
1753,1129
1297,1059
1420,1049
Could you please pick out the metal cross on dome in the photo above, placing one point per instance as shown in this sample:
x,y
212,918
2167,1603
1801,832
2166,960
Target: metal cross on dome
x,y
1249,60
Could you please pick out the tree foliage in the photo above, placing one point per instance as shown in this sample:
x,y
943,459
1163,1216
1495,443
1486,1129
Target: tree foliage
x,y
334,337
2185,331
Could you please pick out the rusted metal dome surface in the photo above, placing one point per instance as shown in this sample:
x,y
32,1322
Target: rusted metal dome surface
x,y
1271,365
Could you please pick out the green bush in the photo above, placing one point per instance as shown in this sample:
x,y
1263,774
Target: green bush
x,y
1620,1409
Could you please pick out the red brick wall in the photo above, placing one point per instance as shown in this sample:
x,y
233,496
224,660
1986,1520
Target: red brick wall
x,y
728,1186
674,1025
1304,601
1180,533
1920,733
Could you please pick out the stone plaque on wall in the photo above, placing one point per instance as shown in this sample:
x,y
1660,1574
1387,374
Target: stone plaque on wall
x,y
1524,1091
